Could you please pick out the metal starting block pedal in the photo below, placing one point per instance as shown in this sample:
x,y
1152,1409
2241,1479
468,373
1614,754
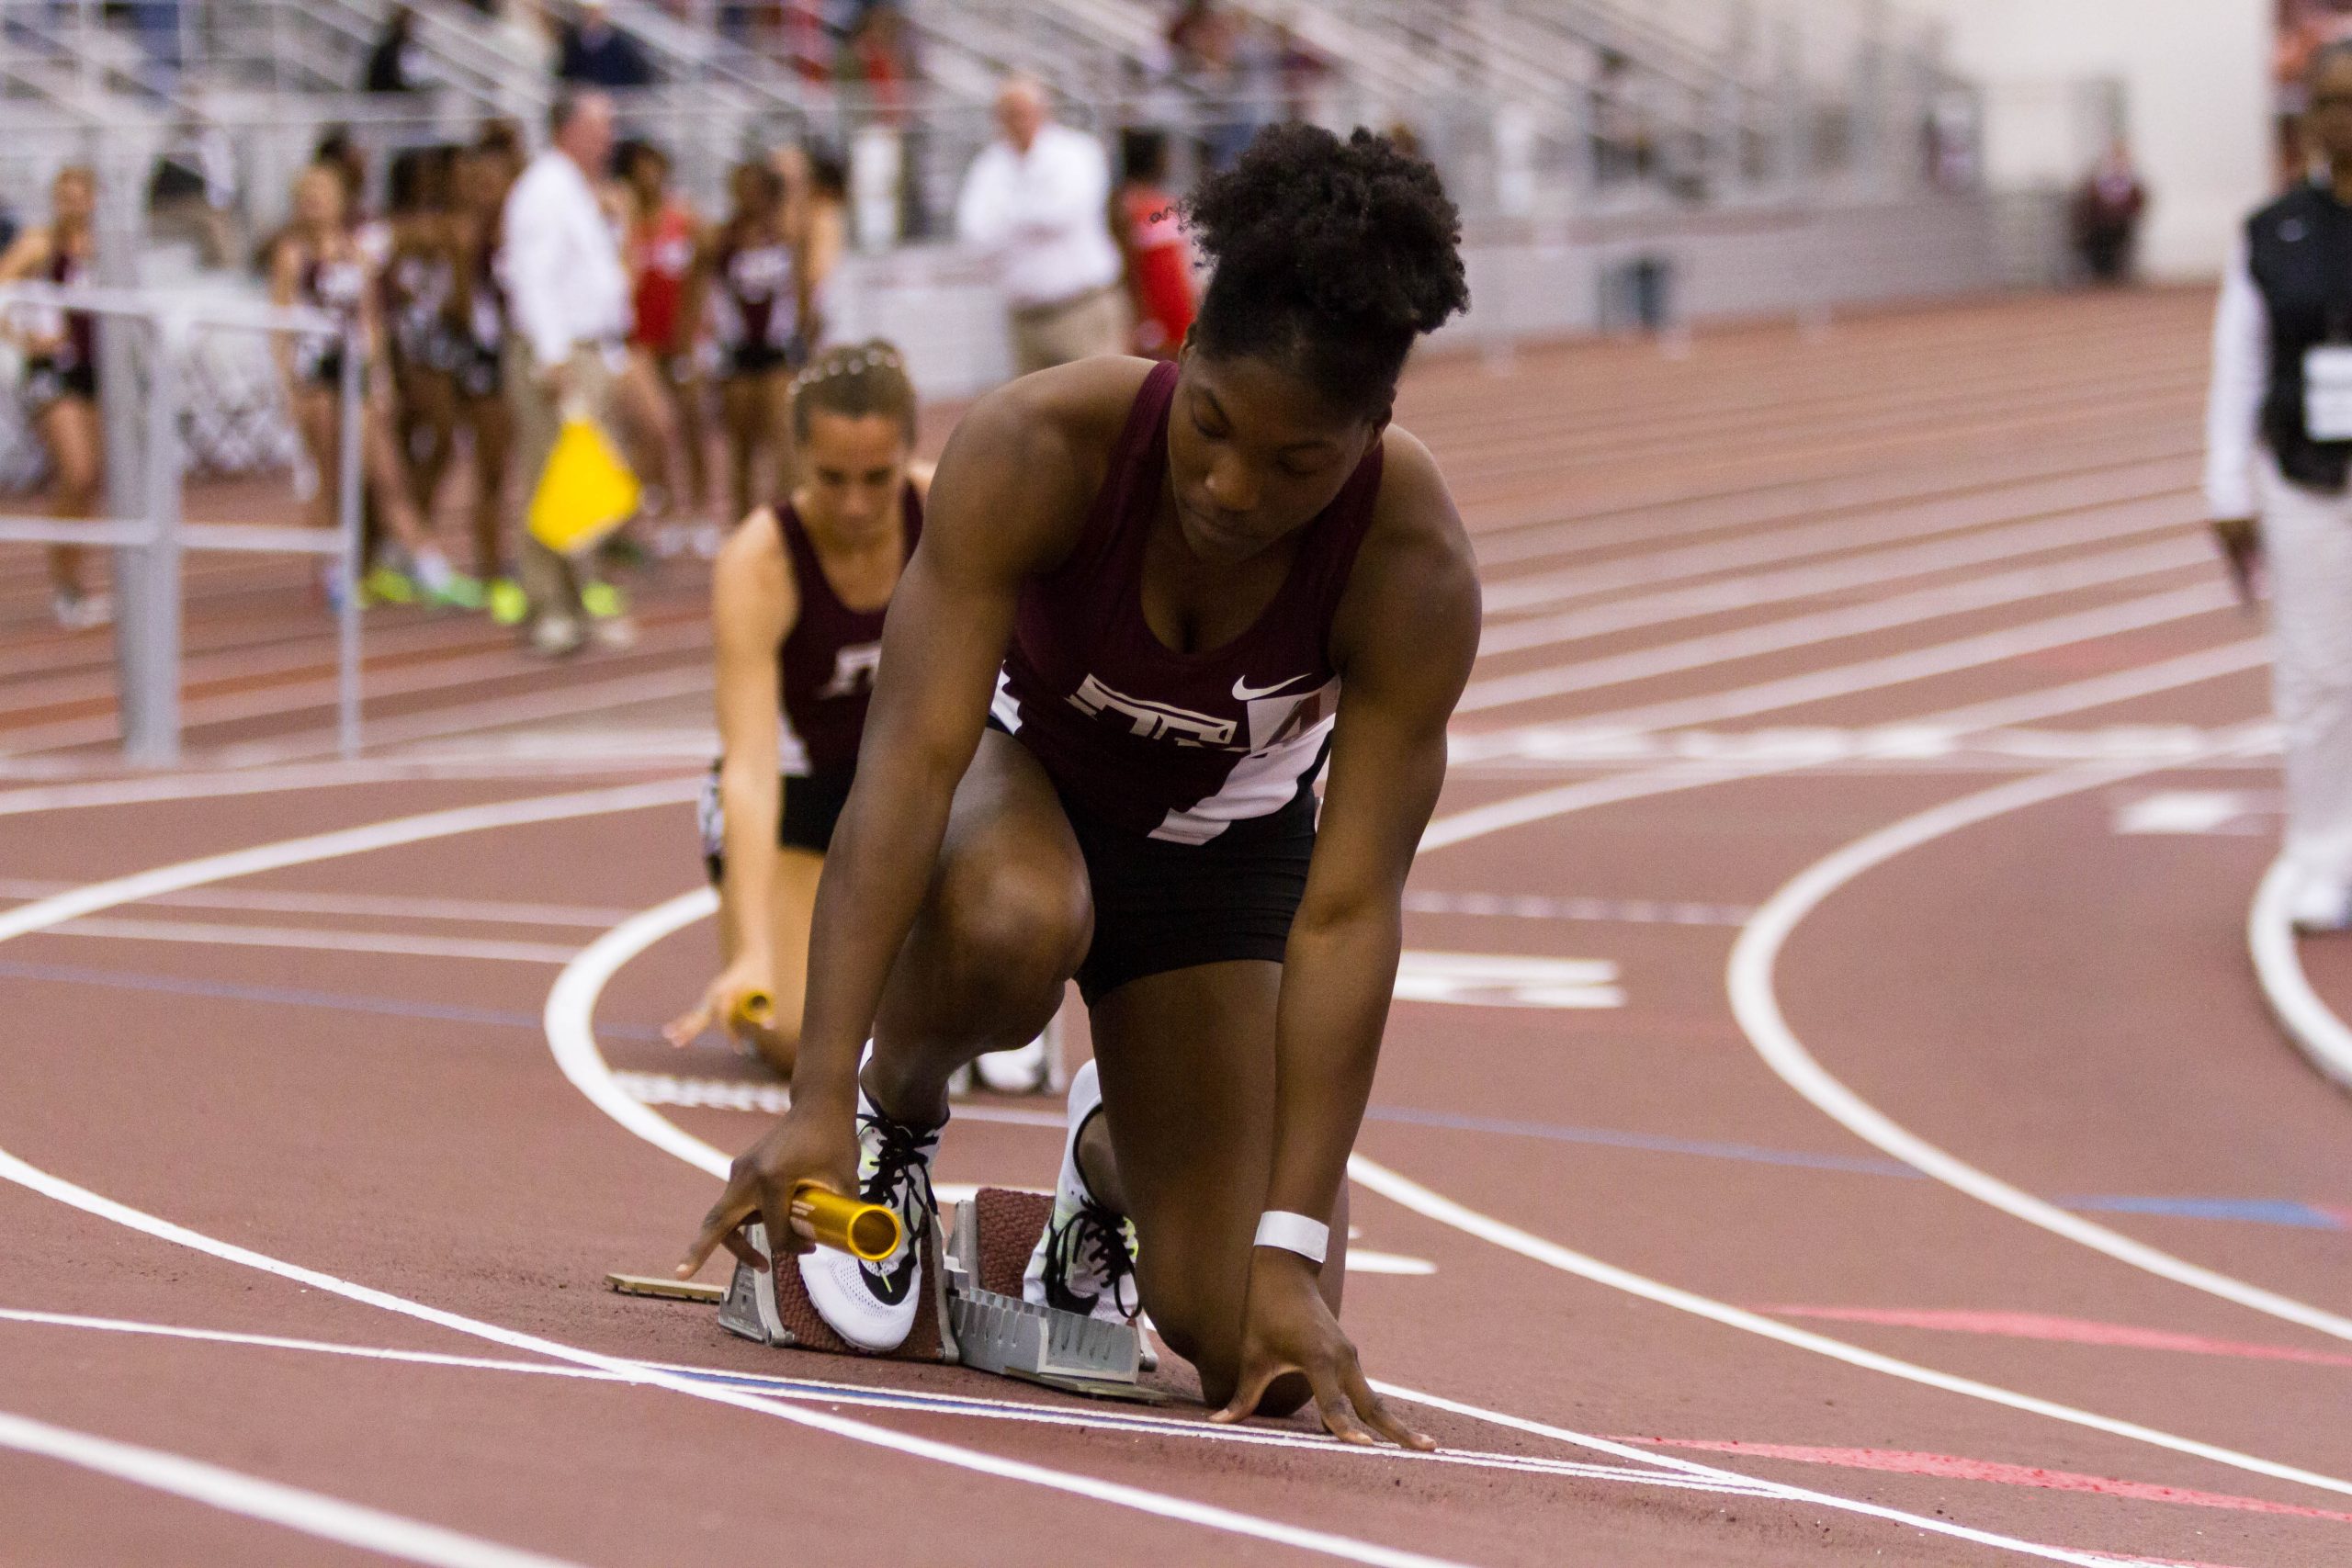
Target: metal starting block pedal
x,y
974,1314
997,1331
770,1306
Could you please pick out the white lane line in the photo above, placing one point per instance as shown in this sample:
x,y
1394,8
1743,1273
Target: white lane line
x,y
148,789
394,943
2100,690
1652,1470
481,911
1791,1494
1591,745
1756,1004
1535,906
98,896
2309,1022
497,713
571,1021
1868,570
1403,1190
233,1492
1818,685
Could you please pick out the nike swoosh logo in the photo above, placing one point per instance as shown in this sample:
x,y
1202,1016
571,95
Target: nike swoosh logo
x,y
1242,693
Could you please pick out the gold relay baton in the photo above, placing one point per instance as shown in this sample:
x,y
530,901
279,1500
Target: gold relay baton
x,y
756,1010
868,1231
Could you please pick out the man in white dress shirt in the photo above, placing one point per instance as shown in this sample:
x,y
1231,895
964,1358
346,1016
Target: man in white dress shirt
x,y
1037,199
569,297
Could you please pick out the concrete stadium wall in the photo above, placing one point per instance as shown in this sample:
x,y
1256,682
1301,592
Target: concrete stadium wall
x,y
939,306
2197,103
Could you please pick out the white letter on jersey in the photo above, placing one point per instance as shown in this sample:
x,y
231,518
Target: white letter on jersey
x,y
853,669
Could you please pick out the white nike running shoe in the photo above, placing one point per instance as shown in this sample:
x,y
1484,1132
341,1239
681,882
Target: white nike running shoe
x,y
1085,1262
2320,906
872,1305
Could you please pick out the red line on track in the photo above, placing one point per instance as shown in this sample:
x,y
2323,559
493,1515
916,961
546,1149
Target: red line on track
x,y
1953,1467
2065,1331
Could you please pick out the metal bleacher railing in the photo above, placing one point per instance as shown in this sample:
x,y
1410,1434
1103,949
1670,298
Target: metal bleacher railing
x,y
145,343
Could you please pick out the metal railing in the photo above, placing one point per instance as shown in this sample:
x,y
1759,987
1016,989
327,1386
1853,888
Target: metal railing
x,y
141,391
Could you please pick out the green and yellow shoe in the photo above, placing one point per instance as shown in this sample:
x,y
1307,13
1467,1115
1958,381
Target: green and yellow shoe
x,y
388,585
508,605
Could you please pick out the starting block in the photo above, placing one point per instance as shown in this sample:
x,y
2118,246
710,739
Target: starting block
x,y
973,1315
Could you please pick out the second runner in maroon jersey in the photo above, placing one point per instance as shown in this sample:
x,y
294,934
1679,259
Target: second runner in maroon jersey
x,y
798,598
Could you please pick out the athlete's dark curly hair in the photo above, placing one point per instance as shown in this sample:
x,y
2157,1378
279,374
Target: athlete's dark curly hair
x,y
1331,257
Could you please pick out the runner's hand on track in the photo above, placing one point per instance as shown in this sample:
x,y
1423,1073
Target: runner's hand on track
x,y
722,1004
2241,542
799,1148
1287,1326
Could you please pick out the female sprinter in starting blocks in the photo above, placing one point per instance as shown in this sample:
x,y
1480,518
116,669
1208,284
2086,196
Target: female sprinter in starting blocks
x,y
1152,601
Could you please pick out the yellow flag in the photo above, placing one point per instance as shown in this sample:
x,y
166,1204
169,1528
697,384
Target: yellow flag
x,y
586,492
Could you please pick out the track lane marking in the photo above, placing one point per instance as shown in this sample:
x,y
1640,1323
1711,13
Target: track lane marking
x,y
2308,1021
1647,1471
466,819
270,1502
570,1031
1749,978
317,940
2060,1331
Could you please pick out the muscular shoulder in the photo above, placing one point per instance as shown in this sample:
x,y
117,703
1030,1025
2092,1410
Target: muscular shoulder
x,y
1416,581
1029,457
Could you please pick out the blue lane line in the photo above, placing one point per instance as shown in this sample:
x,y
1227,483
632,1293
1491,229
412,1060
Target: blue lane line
x,y
2251,1210
2244,1211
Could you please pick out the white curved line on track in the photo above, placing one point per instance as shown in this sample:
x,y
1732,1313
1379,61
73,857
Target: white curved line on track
x,y
148,789
571,1028
2309,1022
1757,1006
98,896
883,1397
233,1492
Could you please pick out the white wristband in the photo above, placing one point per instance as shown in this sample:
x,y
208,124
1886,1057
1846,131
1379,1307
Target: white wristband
x,y
1311,1239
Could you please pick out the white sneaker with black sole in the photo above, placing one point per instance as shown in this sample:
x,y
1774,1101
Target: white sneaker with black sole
x,y
2320,906
872,1305
1085,1261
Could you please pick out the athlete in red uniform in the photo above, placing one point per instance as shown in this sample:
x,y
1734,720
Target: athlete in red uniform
x,y
1151,238
1177,590
661,381
61,382
797,598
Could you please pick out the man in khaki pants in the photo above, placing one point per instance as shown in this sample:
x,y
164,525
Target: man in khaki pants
x,y
569,297
1038,200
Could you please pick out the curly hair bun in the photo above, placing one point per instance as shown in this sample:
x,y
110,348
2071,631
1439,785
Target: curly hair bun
x,y
1330,255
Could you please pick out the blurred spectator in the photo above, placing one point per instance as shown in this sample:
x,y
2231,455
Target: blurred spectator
x,y
567,295
1037,200
658,249
338,150
392,64
816,182
591,52
2106,215
1151,236
192,195
1199,39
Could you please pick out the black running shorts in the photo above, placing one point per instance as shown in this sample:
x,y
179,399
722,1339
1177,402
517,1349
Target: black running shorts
x,y
1161,906
812,808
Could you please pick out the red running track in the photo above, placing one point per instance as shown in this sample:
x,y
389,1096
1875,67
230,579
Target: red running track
x,y
303,1225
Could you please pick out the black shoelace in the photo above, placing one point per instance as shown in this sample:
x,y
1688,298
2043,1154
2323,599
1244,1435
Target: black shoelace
x,y
1096,1227
904,1149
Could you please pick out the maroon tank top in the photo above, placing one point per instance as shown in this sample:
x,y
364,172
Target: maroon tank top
x,y
1178,746
828,661
754,306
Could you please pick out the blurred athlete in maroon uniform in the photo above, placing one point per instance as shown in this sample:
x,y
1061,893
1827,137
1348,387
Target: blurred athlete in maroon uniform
x,y
752,286
61,382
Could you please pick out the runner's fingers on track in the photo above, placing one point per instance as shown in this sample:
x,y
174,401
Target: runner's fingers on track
x,y
1376,1410
686,1028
